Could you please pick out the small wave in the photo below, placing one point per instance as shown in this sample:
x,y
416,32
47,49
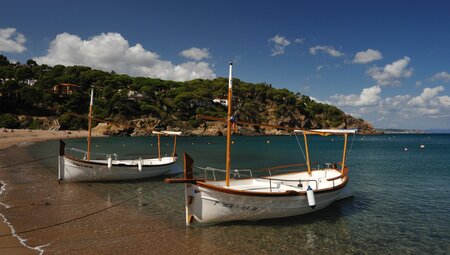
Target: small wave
x,y
1,192
13,230
24,144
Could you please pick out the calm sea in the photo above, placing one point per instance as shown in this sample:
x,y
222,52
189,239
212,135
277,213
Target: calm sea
x,y
401,202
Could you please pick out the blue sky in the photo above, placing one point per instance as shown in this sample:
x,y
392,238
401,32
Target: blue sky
x,y
385,61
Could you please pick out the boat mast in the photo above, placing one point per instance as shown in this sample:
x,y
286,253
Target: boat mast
x,y
307,153
159,146
344,154
90,125
230,95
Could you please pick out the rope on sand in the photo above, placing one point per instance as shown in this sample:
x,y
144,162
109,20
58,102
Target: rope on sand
x,y
83,216
27,162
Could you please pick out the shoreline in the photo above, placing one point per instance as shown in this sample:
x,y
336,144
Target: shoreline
x,y
24,136
14,243
60,218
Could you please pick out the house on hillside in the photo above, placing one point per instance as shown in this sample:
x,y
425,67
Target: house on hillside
x,y
30,82
135,96
222,101
65,89
5,80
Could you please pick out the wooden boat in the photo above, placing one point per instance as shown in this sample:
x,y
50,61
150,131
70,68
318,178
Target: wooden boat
x,y
108,167
270,196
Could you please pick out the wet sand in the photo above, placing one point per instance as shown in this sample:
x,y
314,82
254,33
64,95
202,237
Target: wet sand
x,y
21,137
33,199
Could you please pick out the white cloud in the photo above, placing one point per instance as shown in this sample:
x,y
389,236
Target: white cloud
x,y
391,73
327,49
442,76
427,97
368,97
195,53
318,100
320,67
426,110
11,41
364,57
444,100
111,51
280,42
299,40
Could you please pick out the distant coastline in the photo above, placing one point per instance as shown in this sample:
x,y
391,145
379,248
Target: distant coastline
x,y
400,131
412,131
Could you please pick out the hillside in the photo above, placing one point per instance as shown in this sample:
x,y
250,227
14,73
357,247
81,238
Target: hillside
x,y
33,91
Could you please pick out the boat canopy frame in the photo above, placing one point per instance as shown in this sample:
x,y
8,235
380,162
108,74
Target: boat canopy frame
x,y
326,132
169,133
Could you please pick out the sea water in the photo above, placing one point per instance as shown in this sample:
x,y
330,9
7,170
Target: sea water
x,y
401,199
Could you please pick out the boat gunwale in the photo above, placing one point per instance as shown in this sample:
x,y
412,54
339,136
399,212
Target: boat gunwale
x,y
121,165
292,173
287,193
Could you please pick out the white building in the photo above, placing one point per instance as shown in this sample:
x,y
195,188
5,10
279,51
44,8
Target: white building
x,y
221,101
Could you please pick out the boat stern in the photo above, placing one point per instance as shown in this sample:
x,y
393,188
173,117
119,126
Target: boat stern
x,y
61,163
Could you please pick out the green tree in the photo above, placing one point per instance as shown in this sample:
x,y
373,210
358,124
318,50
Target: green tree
x,y
23,73
31,62
31,96
9,121
4,61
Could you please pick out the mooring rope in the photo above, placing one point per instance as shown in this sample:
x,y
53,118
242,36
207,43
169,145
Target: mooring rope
x,y
351,146
27,162
299,145
83,216
76,218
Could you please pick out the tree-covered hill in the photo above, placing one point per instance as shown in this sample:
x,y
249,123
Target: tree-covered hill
x,y
29,89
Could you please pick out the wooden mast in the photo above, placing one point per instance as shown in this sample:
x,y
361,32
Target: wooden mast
x,y
159,146
230,96
344,154
174,146
308,163
90,125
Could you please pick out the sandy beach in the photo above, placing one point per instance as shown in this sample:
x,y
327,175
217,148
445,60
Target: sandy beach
x,y
41,211
10,137
22,137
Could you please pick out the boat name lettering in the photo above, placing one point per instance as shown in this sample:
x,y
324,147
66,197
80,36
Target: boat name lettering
x,y
81,165
242,207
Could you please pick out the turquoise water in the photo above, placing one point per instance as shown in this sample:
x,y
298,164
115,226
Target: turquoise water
x,y
401,200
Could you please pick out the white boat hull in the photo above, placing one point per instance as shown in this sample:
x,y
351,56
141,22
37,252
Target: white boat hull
x,y
77,170
217,205
210,206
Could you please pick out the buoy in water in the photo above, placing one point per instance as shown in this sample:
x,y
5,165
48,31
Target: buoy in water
x,y
406,149
232,142
310,196
422,146
123,145
268,141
